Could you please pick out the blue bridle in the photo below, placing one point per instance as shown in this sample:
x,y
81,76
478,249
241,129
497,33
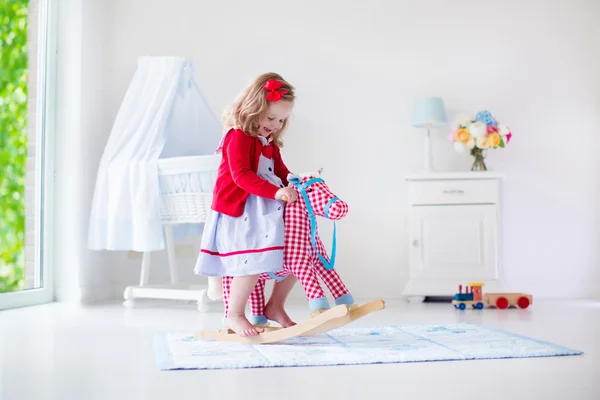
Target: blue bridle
x,y
313,222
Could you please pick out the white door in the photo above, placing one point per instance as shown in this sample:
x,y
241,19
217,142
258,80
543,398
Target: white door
x,y
455,242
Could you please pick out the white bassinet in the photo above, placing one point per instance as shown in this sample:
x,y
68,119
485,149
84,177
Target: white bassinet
x,y
155,179
186,192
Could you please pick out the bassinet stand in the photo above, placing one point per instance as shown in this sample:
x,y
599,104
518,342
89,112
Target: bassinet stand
x,y
177,208
204,295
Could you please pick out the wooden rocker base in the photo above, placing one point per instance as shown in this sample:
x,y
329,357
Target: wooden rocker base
x,y
277,335
327,320
355,313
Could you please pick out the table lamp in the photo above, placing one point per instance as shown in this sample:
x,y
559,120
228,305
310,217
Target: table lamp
x,y
429,113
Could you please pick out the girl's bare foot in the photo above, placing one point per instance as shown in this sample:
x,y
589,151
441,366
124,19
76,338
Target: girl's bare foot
x,y
240,325
278,314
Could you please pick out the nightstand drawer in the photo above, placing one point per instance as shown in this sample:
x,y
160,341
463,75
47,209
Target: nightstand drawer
x,y
453,192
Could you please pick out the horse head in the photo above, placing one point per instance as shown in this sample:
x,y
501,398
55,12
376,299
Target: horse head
x,y
318,197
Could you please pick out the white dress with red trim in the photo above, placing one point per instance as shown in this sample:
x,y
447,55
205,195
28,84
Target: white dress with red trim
x,y
249,244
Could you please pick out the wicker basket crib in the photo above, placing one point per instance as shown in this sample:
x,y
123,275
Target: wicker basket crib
x,y
186,185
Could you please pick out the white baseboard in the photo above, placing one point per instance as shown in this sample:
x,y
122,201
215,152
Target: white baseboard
x,y
86,294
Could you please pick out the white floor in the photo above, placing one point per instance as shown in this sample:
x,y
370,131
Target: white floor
x,y
106,352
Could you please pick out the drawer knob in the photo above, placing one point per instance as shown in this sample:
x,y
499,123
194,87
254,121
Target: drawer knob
x,y
415,243
453,191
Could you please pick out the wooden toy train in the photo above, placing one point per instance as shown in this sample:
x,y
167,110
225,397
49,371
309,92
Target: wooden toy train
x,y
477,300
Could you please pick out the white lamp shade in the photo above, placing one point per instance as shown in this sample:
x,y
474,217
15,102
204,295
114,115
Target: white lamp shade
x,y
429,112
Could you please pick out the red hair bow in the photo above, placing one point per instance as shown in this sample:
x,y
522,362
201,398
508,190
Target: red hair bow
x,y
273,94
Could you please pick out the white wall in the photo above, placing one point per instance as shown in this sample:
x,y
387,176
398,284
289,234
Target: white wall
x,y
81,133
357,67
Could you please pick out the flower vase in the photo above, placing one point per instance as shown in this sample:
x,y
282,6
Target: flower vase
x,y
479,163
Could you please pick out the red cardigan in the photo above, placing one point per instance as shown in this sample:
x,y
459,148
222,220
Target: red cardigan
x,y
237,178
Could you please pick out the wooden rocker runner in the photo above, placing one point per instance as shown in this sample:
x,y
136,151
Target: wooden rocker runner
x,y
306,259
327,320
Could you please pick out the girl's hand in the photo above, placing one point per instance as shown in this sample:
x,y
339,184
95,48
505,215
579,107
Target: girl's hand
x,y
287,194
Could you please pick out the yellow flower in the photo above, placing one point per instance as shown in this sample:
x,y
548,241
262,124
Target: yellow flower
x,y
493,140
463,135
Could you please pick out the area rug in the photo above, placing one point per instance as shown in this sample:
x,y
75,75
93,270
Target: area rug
x,y
352,346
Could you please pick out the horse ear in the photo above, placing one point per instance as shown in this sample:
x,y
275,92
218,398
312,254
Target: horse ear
x,y
293,178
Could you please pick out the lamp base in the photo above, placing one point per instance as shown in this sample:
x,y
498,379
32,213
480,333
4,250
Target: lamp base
x,y
428,166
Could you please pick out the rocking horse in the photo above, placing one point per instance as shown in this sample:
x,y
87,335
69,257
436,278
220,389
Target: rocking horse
x,y
304,257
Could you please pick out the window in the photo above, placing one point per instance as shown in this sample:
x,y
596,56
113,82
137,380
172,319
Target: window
x,y
26,72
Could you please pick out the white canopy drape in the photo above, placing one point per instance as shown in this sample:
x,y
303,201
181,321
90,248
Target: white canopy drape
x,y
162,115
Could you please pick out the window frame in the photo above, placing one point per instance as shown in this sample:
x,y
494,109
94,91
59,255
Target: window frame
x,y
45,104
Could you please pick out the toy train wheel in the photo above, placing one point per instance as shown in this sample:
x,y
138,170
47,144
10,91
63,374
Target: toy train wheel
x,y
479,306
462,306
523,302
502,303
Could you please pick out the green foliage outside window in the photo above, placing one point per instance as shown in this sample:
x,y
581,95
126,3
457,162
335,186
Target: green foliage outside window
x,y
13,141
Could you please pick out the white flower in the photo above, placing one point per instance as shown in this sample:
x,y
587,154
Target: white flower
x,y
459,147
478,129
482,142
503,130
462,120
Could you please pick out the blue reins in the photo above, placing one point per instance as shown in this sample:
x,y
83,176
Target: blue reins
x,y
313,222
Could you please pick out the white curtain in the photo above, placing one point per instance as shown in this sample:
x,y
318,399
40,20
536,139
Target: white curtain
x,y
162,115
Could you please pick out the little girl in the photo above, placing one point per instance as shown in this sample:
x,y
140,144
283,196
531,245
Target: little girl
x,y
244,232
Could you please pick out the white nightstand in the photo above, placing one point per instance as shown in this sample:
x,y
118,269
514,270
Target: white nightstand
x,y
453,227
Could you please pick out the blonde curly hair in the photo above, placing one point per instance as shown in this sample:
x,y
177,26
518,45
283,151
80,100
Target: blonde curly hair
x,y
251,105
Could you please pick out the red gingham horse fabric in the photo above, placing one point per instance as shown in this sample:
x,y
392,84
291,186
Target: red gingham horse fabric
x,y
257,300
226,283
300,258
